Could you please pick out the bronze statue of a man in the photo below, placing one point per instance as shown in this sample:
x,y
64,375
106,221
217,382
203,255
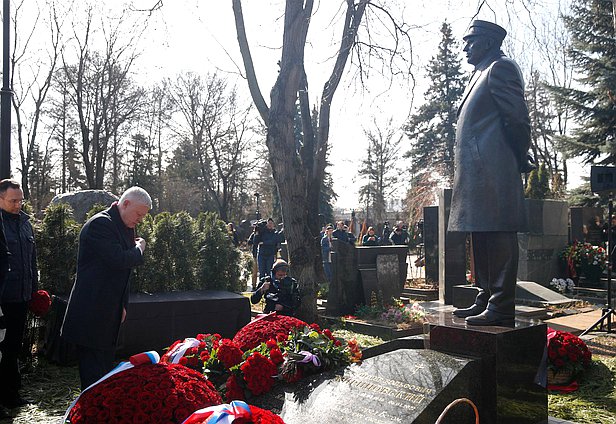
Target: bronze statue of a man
x,y
492,141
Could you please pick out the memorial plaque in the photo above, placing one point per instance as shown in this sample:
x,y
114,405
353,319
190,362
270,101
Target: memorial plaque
x,y
403,386
388,276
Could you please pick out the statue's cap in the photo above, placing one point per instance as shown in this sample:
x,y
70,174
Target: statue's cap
x,y
486,28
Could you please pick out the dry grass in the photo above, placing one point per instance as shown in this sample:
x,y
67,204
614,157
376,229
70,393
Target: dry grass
x,y
595,401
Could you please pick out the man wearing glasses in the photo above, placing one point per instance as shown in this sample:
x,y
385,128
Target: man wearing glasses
x,y
20,282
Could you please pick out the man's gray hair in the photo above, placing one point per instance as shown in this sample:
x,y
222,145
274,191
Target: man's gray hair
x,y
137,194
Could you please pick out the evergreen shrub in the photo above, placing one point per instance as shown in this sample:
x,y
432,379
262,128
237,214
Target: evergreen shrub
x,y
57,239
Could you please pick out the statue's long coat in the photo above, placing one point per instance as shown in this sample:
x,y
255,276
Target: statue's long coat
x,y
492,138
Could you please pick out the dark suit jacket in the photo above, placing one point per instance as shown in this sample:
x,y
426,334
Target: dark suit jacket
x,y
107,254
492,138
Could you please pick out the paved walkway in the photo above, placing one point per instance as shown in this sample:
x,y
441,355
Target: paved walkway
x,y
576,324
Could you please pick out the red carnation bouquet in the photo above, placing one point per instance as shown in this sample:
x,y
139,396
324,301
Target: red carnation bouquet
x,y
271,326
151,393
568,355
40,303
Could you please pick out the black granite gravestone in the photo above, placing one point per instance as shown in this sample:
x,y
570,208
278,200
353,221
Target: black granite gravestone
x,y
154,321
369,283
388,276
430,234
345,289
402,386
541,245
580,223
513,371
451,250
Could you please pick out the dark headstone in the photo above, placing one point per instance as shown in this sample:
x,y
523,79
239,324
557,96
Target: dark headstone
x,y
402,386
154,321
369,283
541,245
388,276
345,289
367,256
82,201
430,234
452,251
513,375
580,221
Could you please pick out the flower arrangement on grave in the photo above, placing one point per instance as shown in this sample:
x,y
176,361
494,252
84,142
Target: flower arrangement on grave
x,y
303,351
145,393
262,329
568,356
205,353
394,313
562,285
237,412
584,258
399,314
310,350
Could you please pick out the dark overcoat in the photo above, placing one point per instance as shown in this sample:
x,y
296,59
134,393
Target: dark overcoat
x,y
492,139
107,254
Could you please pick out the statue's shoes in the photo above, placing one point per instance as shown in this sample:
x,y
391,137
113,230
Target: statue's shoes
x,y
493,318
469,312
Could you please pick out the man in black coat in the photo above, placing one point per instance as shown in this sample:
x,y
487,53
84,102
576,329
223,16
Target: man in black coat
x,y
492,141
19,282
108,250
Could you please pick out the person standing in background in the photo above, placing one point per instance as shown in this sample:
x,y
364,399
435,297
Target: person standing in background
x,y
20,281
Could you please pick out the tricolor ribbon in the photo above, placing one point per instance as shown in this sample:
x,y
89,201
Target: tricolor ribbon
x,y
220,414
309,357
138,359
177,352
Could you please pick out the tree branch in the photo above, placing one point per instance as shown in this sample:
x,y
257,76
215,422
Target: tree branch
x,y
251,76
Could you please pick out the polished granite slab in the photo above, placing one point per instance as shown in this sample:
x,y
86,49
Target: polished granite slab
x,y
400,386
513,372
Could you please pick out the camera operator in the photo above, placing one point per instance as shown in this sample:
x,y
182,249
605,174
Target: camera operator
x,y
280,291
399,237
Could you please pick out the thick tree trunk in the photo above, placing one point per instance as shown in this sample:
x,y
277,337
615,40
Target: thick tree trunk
x,y
299,177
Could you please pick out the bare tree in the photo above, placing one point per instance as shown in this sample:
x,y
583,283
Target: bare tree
x,y
380,167
299,171
31,79
102,95
217,132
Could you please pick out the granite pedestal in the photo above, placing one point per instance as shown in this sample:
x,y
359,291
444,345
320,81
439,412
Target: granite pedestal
x,y
513,370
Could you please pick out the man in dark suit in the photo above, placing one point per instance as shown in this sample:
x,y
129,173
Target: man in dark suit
x,y
16,288
108,250
492,141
